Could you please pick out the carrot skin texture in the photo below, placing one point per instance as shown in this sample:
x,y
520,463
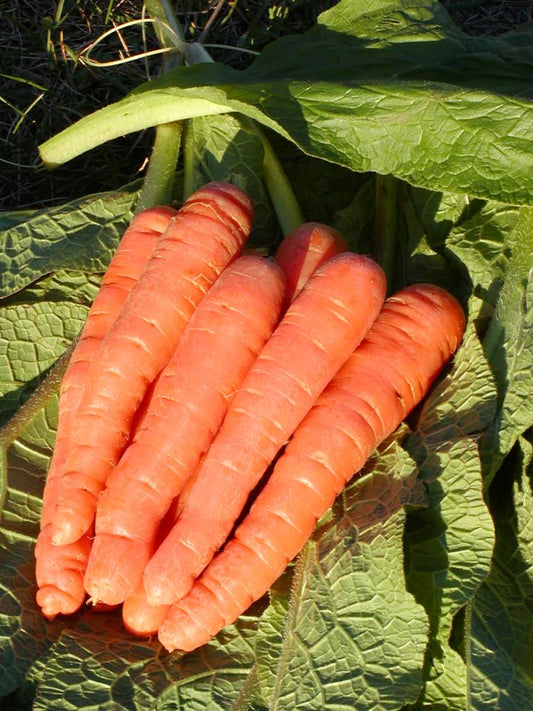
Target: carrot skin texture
x,y
362,405
208,232
139,617
303,250
316,335
60,569
219,345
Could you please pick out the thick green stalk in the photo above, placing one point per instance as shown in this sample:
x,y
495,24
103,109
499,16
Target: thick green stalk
x,y
159,178
189,183
161,10
385,225
279,188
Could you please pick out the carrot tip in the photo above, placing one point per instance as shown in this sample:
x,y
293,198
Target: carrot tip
x,y
115,567
53,602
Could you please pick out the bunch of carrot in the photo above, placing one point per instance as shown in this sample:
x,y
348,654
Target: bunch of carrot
x,y
198,369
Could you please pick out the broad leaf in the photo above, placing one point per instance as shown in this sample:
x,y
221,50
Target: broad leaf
x,y
449,544
404,39
96,665
34,336
499,637
351,630
376,92
509,348
79,236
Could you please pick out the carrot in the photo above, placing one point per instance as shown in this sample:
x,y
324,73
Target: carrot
x,y
387,375
317,334
206,234
303,250
218,347
59,570
138,616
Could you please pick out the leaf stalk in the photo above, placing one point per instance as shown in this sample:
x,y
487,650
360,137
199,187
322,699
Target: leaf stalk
x,y
385,225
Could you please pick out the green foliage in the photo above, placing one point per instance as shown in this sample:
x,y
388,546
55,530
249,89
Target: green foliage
x,y
348,594
415,590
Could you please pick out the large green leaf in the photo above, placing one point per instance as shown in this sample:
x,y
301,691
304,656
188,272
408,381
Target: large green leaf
x,y
34,335
426,133
24,635
384,90
351,630
94,664
81,235
499,637
408,39
449,543
509,347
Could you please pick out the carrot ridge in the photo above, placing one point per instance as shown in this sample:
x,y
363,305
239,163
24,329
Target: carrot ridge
x,y
188,403
60,569
207,233
316,335
313,470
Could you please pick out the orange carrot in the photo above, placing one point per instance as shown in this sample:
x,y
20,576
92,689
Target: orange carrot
x,y
206,234
60,569
317,334
138,616
217,349
388,374
303,250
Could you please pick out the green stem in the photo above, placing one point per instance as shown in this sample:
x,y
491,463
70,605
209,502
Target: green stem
x,y
161,10
195,54
159,179
385,224
26,413
189,183
279,188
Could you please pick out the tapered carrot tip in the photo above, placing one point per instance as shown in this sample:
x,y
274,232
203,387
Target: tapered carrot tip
x,y
54,601
140,618
160,585
107,582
